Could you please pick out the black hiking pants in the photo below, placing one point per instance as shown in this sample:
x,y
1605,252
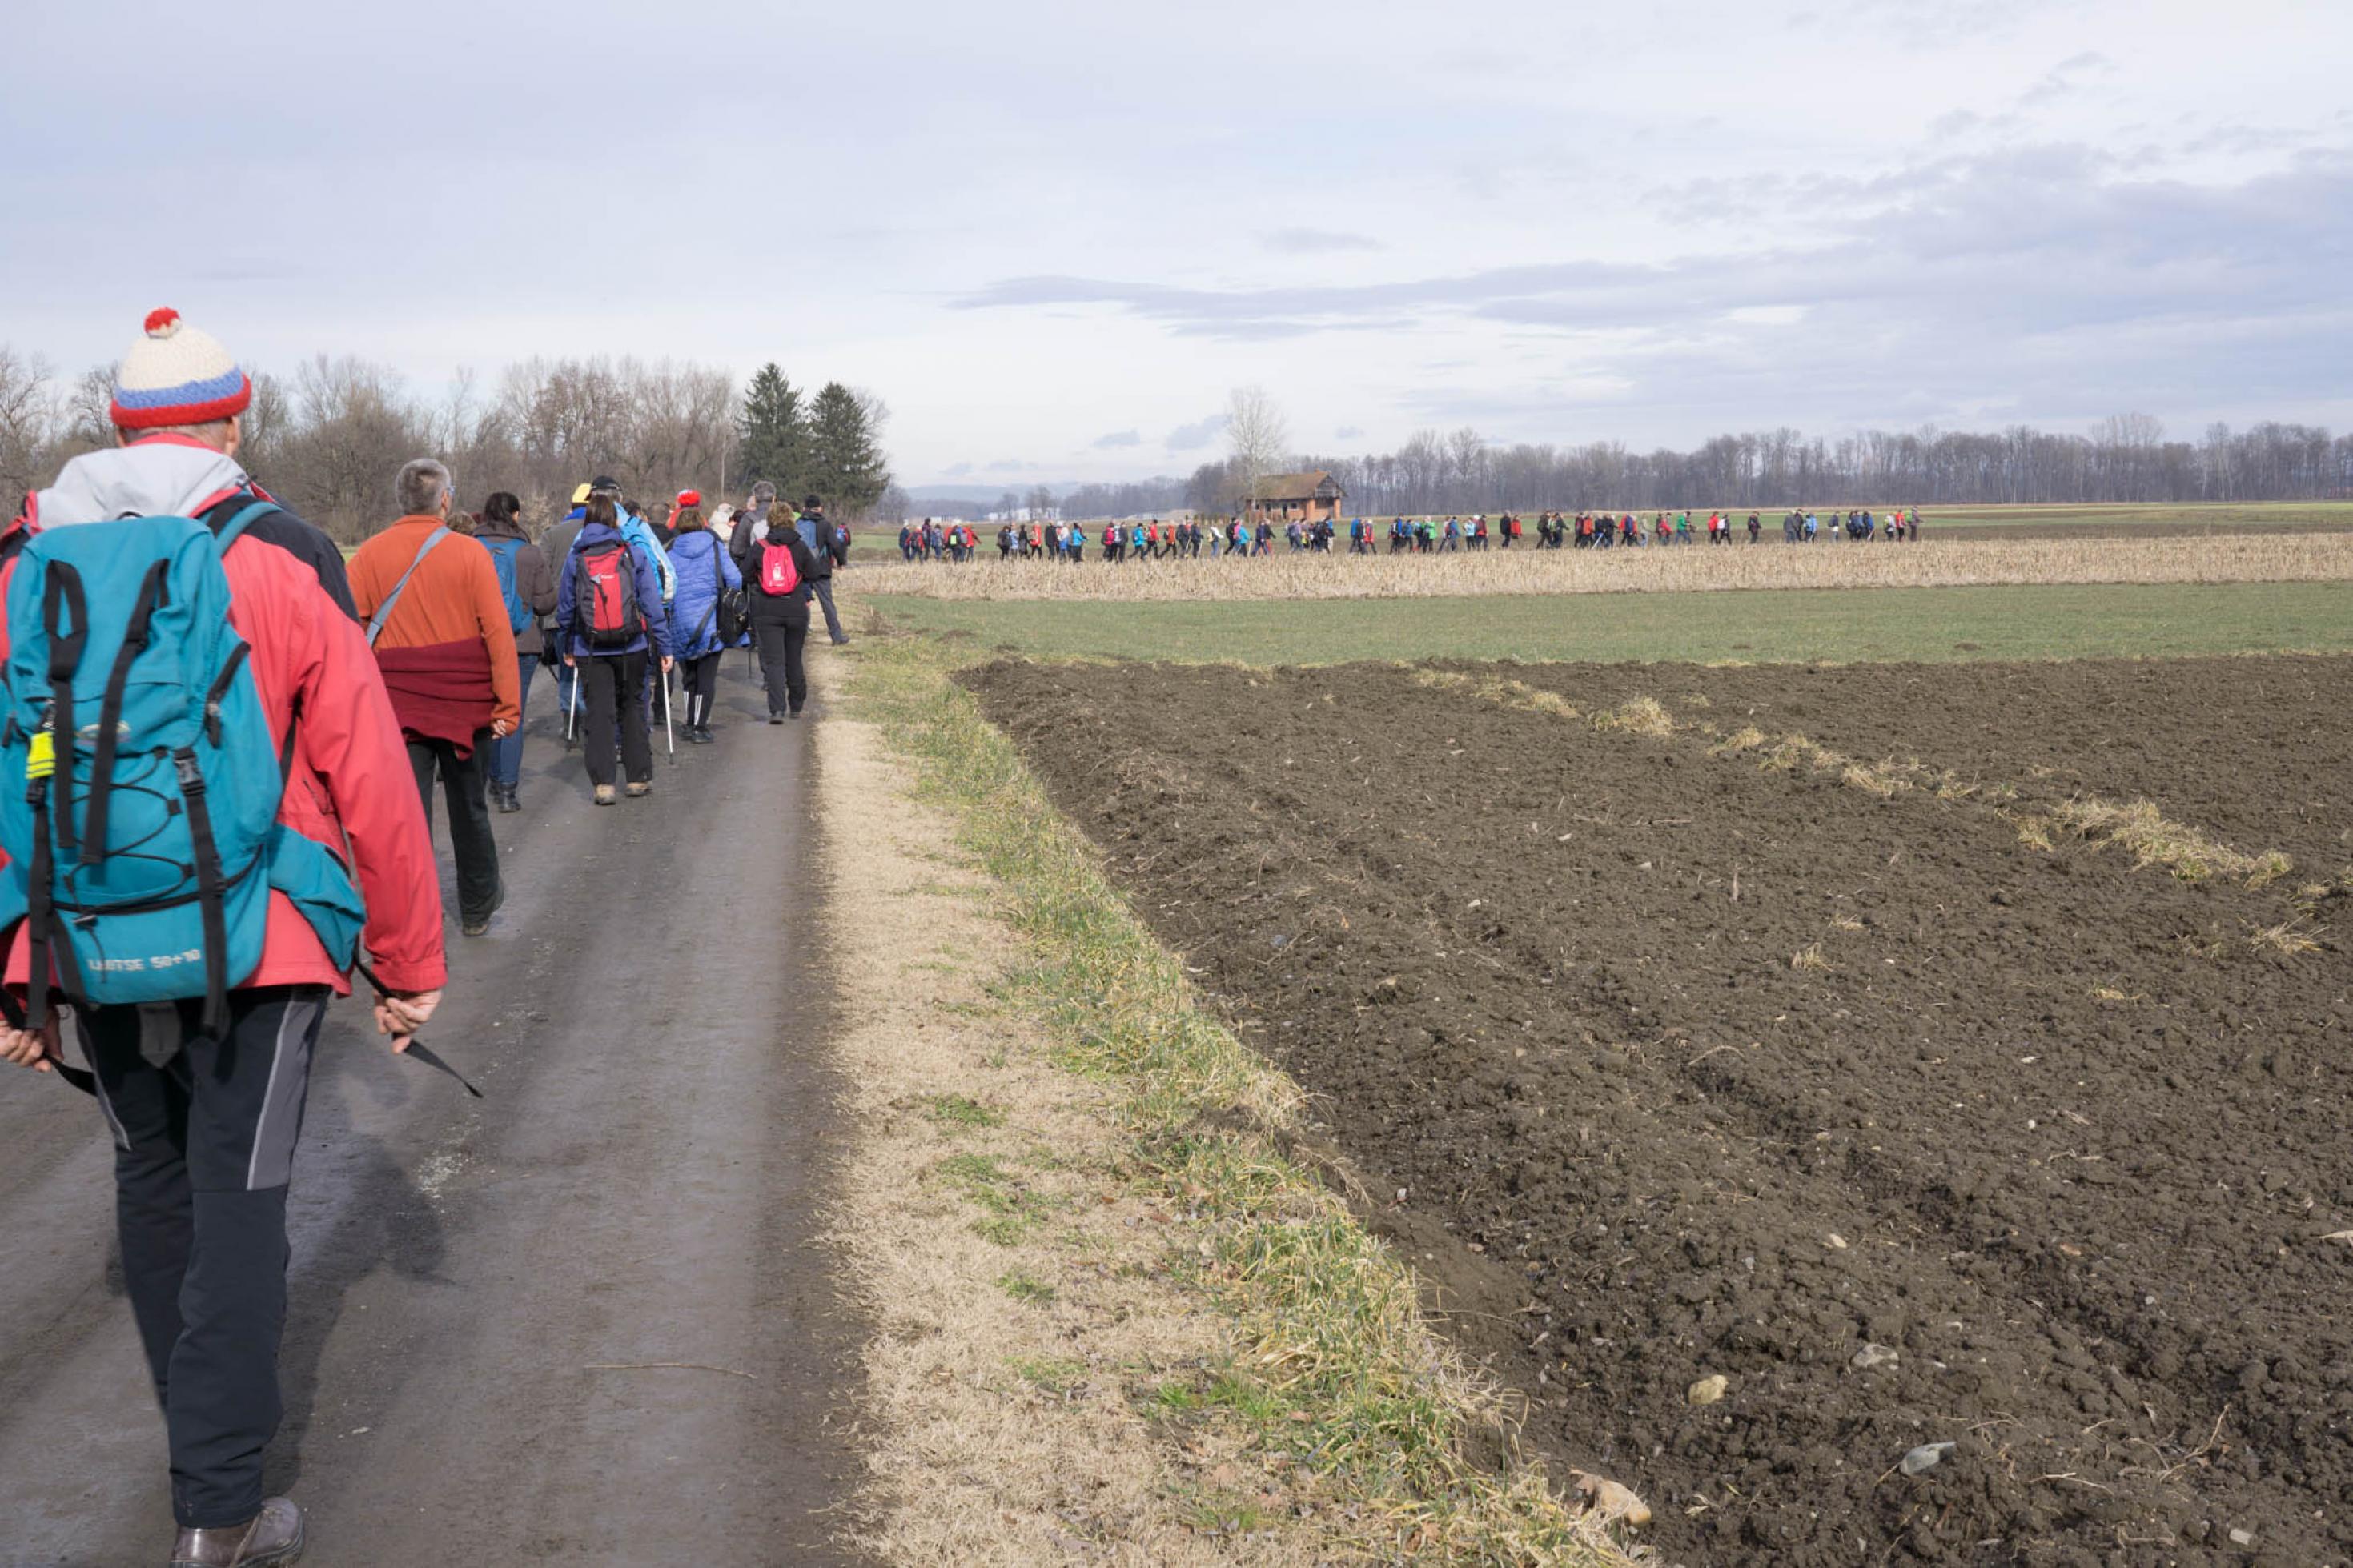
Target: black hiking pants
x,y
780,662
702,688
203,1146
613,686
464,783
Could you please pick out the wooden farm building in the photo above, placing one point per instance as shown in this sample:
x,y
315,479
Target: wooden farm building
x,y
1307,498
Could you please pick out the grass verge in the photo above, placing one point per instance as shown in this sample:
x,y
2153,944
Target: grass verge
x,y
1333,1374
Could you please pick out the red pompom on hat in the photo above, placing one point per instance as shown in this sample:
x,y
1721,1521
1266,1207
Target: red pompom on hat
x,y
176,375
688,498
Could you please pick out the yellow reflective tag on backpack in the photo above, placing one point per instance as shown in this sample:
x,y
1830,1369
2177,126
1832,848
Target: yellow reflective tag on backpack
x,y
41,755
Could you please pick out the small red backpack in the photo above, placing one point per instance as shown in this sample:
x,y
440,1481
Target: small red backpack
x,y
778,574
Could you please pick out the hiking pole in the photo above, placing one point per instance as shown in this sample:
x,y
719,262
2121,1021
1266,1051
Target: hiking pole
x,y
409,1045
669,740
572,709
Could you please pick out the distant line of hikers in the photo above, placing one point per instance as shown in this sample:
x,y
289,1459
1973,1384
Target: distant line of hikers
x,y
222,744
957,542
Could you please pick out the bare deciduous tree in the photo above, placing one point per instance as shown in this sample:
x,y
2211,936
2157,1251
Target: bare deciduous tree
x,y
1260,438
29,420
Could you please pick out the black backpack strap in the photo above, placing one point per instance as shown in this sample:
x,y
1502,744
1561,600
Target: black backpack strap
x,y
718,592
232,515
40,917
61,591
211,891
152,594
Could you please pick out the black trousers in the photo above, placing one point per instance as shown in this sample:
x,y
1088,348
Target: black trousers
x,y
613,688
464,784
203,1146
780,662
701,687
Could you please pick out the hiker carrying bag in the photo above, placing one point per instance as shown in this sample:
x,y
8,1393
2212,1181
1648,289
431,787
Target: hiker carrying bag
x,y
780,575
726,609
139,783
384,611
502,557
606,611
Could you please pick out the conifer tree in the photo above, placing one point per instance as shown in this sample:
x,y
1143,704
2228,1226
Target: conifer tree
x,y
774,434
846,465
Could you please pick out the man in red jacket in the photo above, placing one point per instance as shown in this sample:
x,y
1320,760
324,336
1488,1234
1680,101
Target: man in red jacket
x,y
204,1123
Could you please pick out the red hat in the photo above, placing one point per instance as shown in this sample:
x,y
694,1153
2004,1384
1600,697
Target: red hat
x,y
688,498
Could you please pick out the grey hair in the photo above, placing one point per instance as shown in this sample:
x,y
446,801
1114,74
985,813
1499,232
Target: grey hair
x,y
422,484
764,491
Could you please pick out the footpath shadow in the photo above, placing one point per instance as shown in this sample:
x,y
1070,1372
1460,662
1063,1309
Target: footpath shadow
x,y
377,1217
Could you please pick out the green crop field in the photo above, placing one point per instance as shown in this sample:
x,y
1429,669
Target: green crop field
x,y
1838,624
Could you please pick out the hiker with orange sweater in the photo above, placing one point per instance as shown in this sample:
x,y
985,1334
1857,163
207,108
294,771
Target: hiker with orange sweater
x,y
439,624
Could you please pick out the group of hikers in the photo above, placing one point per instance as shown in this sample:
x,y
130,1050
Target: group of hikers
x,y
225,742
955,542
624,609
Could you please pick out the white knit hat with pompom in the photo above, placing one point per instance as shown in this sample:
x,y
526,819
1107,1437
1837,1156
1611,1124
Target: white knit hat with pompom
x,y
177,375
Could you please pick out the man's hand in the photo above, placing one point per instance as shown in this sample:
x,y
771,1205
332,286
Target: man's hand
x,y
502,728
27,1048
667,664
402,1014
568,662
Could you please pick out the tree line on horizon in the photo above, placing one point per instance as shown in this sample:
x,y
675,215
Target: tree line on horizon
x,y
2125,459
328,438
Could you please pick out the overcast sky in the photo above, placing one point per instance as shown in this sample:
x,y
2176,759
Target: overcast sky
x,y
1052,237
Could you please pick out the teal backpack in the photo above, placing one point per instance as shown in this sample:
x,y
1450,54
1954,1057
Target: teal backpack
x,y
139,785
502,557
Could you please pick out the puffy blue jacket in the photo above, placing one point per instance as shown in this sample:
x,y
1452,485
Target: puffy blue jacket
x,y
702,572
650,598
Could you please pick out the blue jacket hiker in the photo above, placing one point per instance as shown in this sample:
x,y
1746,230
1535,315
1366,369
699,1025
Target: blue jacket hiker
x,y
611,618
705,616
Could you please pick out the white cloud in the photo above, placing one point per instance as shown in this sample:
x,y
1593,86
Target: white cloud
x,y
1921,207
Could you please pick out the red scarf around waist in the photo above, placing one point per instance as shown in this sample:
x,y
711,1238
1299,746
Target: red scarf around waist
x,y
440,691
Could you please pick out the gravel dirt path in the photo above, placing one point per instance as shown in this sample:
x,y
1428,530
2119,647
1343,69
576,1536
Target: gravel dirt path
x,y
472,1277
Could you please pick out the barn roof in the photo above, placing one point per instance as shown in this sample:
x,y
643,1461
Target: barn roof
x,y
1297,487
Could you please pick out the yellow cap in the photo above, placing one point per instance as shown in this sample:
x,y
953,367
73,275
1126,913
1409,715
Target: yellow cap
x,y
580,496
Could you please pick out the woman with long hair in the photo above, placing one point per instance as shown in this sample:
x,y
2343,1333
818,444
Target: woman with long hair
x,y
527,582
776,567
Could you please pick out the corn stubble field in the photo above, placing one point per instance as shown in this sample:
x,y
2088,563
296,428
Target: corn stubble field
x,y
2314,556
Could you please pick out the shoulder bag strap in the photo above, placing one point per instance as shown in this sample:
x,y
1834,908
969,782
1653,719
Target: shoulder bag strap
x,y
384,611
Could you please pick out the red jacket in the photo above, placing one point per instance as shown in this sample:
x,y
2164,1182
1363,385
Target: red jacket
x,y
351,788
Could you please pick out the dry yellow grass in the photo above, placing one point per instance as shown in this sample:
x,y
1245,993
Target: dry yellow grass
x,y
1000,1430
1959,563
1106,1331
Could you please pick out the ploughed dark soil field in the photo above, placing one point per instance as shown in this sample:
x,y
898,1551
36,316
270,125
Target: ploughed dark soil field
x,y
1689,1067
2257,751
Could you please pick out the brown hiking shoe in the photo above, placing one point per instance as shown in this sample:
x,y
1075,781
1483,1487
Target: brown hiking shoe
x,y
273,1536
639,791
605,796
